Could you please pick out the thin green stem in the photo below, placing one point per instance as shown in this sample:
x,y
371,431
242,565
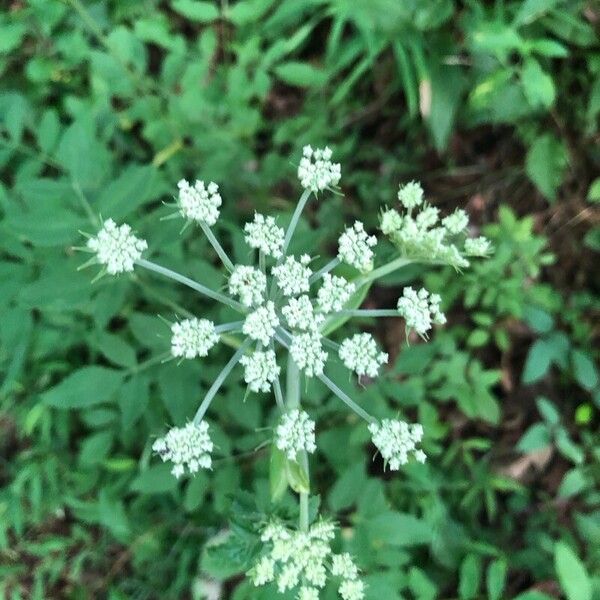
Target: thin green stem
x,y
346,399
384,270
294,222
217,246
202,289
379,312
152,361
279,395
218,382
233,326
332,264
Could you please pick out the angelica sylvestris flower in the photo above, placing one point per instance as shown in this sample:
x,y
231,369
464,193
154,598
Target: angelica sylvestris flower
x,y
199,202
265,235
295,433
334,293
479,246
260,325
193,337
307,351
352,590
361,354
397,441
456,222
410,195
299,314
354,247
420,310
316,172
187,447
260,370
248,284
116,247
293,275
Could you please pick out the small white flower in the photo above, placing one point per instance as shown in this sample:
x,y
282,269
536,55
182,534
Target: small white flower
x,y
316,172
456,222
334,293
308,593
293,276
299,314
193,337
343,566
307,352
116,247
187,447
390,221
295,433
249,284
263,571
397,440
420,310
260,325
199,203
289,577
410,195
479,246
428,217
361,354
260,370
354,247
264,234
352,589
315,573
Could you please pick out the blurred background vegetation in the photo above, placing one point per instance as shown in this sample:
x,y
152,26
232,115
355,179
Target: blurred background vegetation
x,y
493,105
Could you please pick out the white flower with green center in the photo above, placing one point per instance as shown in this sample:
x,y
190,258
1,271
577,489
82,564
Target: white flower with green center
x,y
193,338
299,314
354,247
316,172
260,370
334,293
248,284
397,441
295,433
293,275
361,355
420,310
265,235
307,352
200,202
116,247
260,325
187,447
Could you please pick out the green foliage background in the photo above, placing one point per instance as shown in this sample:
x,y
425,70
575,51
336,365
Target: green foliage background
x,y
105,105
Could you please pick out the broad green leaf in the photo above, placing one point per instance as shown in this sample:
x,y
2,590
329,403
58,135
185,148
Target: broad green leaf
x,y
535,438
157,479
538,361
496,579
116,349
584,369
470,577
95,448
572,574
572,483
277,473
548,410
530,10
85,387
205,12
301,74
399,529
538,85
593,194
546,163
297,477
133,400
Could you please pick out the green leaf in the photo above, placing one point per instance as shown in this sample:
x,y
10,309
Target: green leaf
x,y
531,10
535,438
96,447
538,361
133,400
584,369
301,74
278,481
297,477
470,577
496,579
572,483
593,194
538,85
115,349
83,388
548,410
546,163
157,479
572,574
399,529
205,12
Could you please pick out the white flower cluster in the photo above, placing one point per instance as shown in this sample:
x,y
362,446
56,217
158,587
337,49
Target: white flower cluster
x,y
424,236
293,275
265,235
187,447
397,441
354,247
316,172
260,370
248,284
307,351
479,246
334,293
295,433
361,355
299,314
303,561
260,325
193,337
420,310
199,202
116,247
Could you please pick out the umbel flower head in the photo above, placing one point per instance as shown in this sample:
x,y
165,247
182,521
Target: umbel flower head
x,y
361,355
193,337
316,172
420,310
116,247
397,441
200,202
295,433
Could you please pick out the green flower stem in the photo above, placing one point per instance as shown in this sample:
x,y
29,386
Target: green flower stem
x,y
332,264
217,246
293,401
233,326
294,222
218,382
151,362
346,399
383,312
146,264
384,270
279,395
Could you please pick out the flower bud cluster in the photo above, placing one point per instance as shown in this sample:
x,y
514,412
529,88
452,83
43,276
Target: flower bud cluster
x,y
260,325
293,275
361,355
397,441
248,284
193,338
265,235
303,561
299,314
295,433
260,370
199,202
316,172
334,293
420,310
354,247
